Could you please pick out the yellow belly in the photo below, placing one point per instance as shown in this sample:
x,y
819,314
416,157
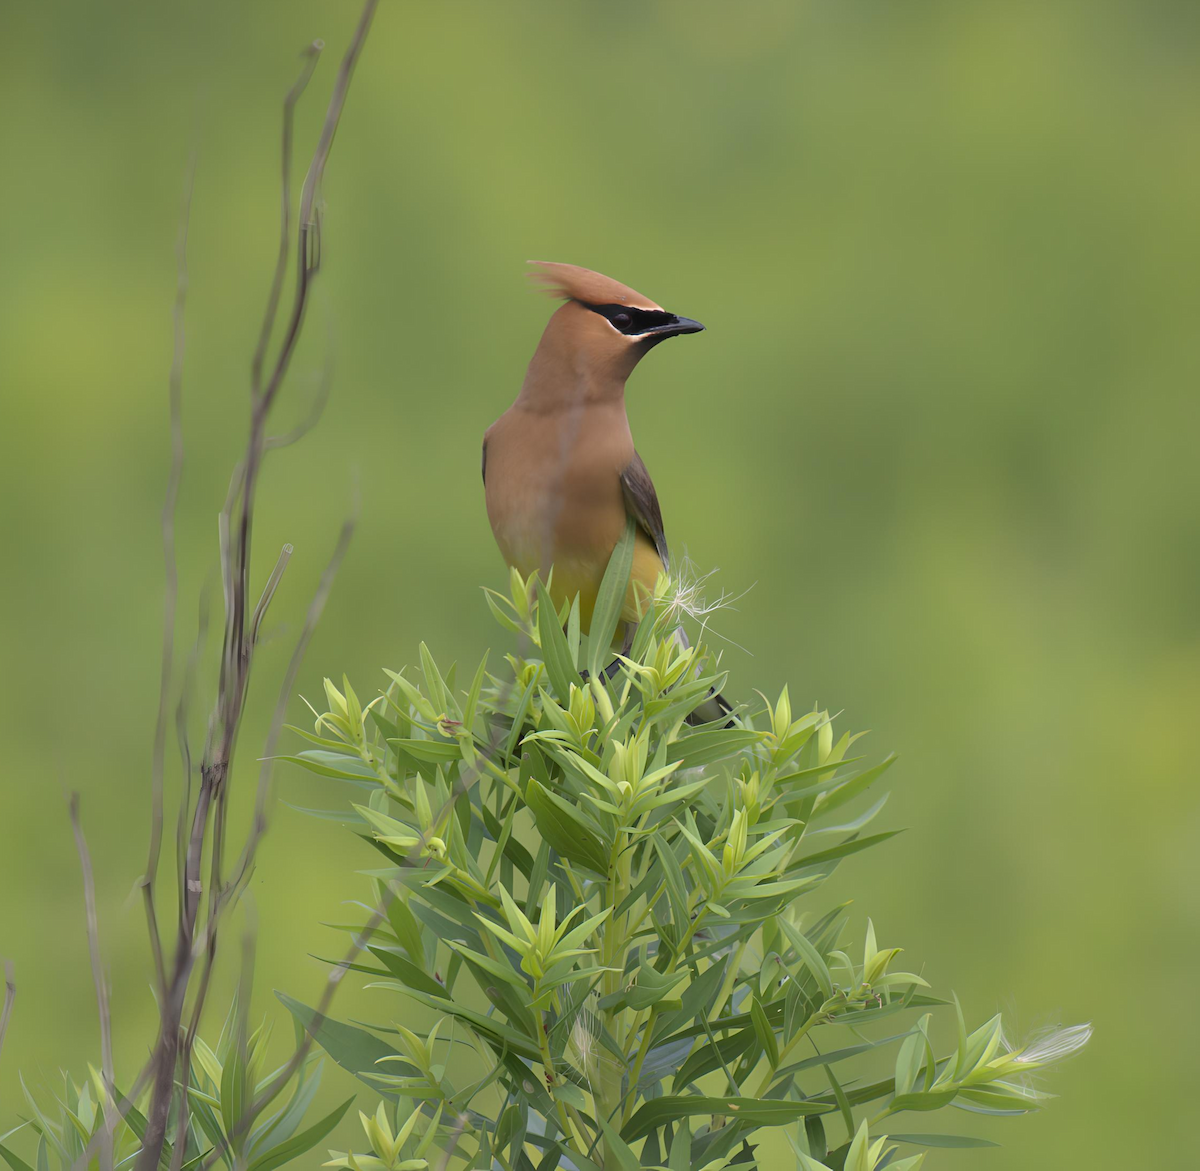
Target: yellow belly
x,y
583,577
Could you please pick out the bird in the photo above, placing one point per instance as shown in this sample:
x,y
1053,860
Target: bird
x,y
561,473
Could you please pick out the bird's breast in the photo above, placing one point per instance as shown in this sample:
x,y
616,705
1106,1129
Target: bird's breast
x,y
554,498
553,485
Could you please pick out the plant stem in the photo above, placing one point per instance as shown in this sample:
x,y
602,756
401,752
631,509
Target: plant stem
x,y
569,1130
648,1028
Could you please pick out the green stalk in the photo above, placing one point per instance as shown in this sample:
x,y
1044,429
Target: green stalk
x,y
648,1028
569,871
608,1092
570,1132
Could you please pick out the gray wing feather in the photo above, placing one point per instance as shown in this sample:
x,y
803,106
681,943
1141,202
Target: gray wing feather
x,y
641,503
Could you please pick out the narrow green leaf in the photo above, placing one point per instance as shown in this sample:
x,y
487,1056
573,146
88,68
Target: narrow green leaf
x,y
711,745
353,1049
843,1103
340,766
610,601
764,1032
652,987
406,927
234,1094
696,998
844,849
681,1149
430,751
942,1140
472,703
518,723
749,1112
811,957
677,895
298,1144
434,683
556,654
14,1160
407,972
923,1100
908,1062
854,785
814,1131
564,828
501,1035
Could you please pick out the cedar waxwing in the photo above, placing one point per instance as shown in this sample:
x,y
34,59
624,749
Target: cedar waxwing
x,y
560,471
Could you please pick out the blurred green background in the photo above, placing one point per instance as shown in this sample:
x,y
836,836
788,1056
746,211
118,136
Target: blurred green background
x,y
944,420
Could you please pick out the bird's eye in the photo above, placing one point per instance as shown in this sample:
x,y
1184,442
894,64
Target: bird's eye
x,y
622,320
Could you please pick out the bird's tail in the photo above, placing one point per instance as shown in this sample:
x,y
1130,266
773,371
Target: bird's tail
x,y
715,707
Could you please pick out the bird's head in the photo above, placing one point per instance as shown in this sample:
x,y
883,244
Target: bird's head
x,y
604,327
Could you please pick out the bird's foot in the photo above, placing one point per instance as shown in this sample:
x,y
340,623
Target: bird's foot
x,y
609,672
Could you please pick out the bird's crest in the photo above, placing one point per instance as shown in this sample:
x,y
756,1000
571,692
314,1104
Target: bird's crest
x,y
569,282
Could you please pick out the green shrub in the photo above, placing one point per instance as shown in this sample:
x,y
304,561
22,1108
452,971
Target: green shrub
x,y
238,1114
616,913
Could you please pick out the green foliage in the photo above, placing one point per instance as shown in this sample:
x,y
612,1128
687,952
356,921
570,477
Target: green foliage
x,y
388,1148
238,1114
613,909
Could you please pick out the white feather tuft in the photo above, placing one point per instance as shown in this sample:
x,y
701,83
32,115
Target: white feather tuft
x,y
1051,1044
688,598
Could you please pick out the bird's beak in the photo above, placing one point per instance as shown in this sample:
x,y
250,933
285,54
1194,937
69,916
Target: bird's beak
x,y
680,325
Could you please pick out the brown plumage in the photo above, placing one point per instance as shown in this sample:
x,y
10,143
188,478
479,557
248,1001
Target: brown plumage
x,y
560,470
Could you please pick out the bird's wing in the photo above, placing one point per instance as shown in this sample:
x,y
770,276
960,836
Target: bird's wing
x,y
483,461
641,503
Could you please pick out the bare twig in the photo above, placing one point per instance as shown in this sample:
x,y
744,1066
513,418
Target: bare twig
x,y
171,574
241,626
460,1124
102,1002
309,252
10,996
287,689
231,891
311,55
181,736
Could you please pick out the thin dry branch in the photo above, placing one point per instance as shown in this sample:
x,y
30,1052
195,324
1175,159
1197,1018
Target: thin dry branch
x,y
286,690
10,996
309,251
241,626
102,1001
171,577
311,55
460,1124
181,735
233,888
